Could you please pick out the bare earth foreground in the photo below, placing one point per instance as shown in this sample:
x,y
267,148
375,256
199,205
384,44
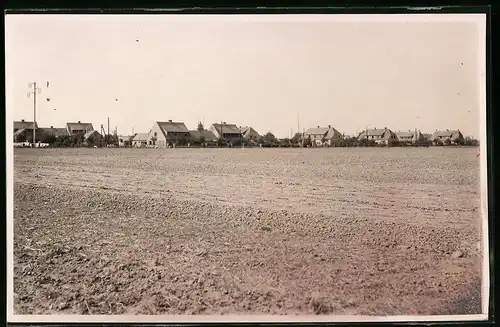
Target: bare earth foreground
x,y
247,231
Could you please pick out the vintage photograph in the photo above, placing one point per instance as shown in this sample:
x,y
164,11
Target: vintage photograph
x,y
260,165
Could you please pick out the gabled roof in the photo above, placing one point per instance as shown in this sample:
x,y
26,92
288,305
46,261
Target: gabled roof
x,y
384,133
248,131
227,128
19,132
172,127
427,136
316,131
332,132
141,137
447,133
405,134
376,132
24,125
208,135
388,134
327,132
57,132
90,133
79,127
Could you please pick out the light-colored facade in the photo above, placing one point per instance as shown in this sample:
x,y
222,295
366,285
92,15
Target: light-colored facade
x,y
166,134
125,141
379,136
324,136
452,136
410,137
140,140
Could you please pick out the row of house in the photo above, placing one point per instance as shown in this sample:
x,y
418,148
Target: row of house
x,y
162,134
329,136
23,130
168,133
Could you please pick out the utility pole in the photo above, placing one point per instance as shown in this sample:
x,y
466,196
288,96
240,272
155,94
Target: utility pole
x,y
241,138
107,135
34,92
298,124
221,133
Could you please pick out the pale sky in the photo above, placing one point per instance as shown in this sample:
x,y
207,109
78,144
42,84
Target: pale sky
x,y
400,72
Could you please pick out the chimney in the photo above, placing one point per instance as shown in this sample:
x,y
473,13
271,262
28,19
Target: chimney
x,y
170,120
78,122
22,120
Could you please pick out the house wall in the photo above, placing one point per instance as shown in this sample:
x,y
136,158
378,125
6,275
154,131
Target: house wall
x,y
252,136
139,144
161,141
231,137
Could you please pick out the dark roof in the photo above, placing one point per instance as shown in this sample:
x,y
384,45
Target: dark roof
x,y
316,130
427,136
227,128
444,133
208,135
328,132
455,134
57,132
90,133
24,125
405,134
172,127
19,132
332,132
79,127
384,134
248,131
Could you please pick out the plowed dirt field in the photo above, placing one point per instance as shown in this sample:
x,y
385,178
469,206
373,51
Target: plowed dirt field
x,y
247,231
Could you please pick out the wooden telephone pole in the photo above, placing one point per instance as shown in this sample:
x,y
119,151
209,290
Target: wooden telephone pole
x,y
34,92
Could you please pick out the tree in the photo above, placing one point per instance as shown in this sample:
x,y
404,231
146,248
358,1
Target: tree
x,y
437,142
306,142
296,138
269,139
470,141
200,127
447,142
351,141
286,142
154,139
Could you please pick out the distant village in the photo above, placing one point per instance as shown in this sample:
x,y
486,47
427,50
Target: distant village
x,y
170,134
